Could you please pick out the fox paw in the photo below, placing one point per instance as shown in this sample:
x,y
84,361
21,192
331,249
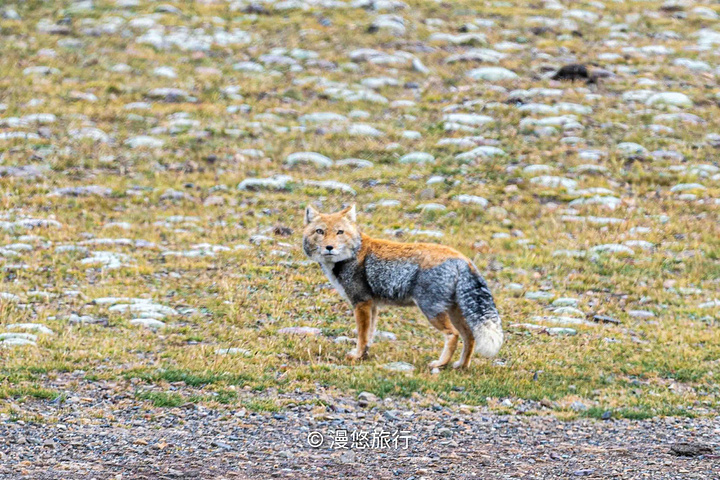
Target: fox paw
x,y
354,356
436,364
459,365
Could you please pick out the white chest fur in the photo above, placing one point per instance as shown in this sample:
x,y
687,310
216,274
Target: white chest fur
x,y
327,269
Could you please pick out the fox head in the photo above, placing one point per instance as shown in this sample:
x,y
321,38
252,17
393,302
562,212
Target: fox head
x,y
331,237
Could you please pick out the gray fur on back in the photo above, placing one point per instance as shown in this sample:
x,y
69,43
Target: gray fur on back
x,y
435,290
400,282
391,280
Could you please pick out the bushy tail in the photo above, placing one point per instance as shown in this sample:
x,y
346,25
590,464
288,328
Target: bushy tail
x,y
477,306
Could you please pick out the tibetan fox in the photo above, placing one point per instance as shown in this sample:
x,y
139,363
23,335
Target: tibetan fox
x,y
369,272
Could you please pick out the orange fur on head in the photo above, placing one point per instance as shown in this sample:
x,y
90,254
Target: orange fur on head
x,y
337,230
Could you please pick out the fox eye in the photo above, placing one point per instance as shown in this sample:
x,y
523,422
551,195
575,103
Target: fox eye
x,y
340,232
320,231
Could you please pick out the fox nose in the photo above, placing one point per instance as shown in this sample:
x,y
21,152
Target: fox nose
x,y
329,248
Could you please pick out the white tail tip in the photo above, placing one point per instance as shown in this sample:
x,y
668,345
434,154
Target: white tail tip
x,y
488,337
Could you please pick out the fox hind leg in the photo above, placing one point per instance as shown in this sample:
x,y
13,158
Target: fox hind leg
x,y
443,323
459,322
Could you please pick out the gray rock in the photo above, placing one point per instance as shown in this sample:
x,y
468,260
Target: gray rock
x,y
31,327
24,171
234,352
458,39
83,191
428,207
684,187
279,182
393,24
90,133
150,323
418,66
539,295
364,130
40,71
171,95
484,55
710,304
565,302
417,157
560,331
471,119
19,336
368,397
331,185
354,163
399,367
562,320
9,297
302,331
472,199
10,14
631,149
568,311
605,201
322,117
144,141
16,342
550,181
145,309
480,152
382,336
492,74
84,319
613,248
308,158
676,99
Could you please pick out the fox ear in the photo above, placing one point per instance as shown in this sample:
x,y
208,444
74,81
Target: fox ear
x,y
350,213
310,214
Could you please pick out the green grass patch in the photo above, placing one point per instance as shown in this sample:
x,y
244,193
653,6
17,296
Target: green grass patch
x,y
191,379
25,392
163,399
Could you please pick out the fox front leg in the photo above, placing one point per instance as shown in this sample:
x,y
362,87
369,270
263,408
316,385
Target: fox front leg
x,y
373,324
363,319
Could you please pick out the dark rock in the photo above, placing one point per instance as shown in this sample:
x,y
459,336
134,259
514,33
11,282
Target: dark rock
x,y
541,30
690,449
672,7
283,231
584,472
223,445
256,8
572,72
604,319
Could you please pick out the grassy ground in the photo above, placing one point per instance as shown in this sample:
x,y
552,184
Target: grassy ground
x,y
664,365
